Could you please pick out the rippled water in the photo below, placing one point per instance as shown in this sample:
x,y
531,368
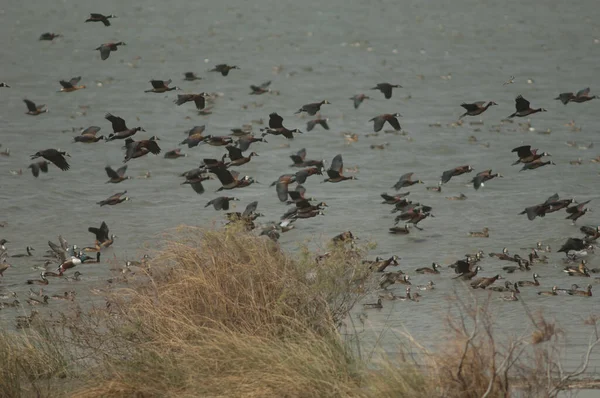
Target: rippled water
x,y
442,53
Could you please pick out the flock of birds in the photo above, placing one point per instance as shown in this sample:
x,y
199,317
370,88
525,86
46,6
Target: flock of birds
x,y
290,189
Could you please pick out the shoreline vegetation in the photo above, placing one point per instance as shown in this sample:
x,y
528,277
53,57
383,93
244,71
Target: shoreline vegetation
x,y
224,313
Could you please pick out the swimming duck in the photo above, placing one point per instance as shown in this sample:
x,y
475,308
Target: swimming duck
x,y
389,278
95,17
34,301
335,171
72,262
386,89
429,286
523,108
70,296
591,233
198,99
114,199
71,85
223,69
483,283
88,135
312,108
462,196
120,129
106,48
530,283
55,156
434,269
502,256
508,287
459,170
33,109
476,108
76,277
399,230
378,304
137,149
261,88
29,249
358,99
587,292
512,297
553,292
391,118
43,281
580,270
160,86
523,265
485,233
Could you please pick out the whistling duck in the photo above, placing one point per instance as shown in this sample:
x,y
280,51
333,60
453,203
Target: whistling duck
x,y
481,177
120,129
116,176
523,109
358,99
71,85
261,88
379,121
406,180
223,69
106,48
459,170
88,135
95,17
386,89
236,156
199,100
312,108
160,86
335,171
476,108
114,199
136,149
55,156
530,283
33,109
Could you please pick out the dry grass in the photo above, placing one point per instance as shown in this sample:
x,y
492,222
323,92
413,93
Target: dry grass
x,y
227,314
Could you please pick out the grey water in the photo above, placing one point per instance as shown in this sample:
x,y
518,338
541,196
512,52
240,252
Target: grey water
x,y
442,53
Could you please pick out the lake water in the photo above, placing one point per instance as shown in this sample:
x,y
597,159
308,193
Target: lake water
x,y
442,53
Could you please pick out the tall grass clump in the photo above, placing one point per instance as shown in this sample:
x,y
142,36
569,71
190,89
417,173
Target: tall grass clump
x,y
226,313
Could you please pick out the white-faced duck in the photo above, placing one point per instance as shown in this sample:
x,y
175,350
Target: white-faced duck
x,y
406,180
392,200
523,108
586,293
429,286
106,48
308,214
161,86
310,125
464,272
379,265
336,169
386,89
57,157
244,142
220,203
136,149
190,76
33,109
536,164
174,154
508,287
581,96
116,176
476,108
358,99
303,206
215,140
223,69
89,135
299,159
195,136
261,88
29,253
198,99
42,281
577,211
302,175
485,233
71,85
535,281
523,265
527,155
297,195
502,256
103,239
236,156
3,84
482,283
434,269
95,17
437,188
120,129
114,199
511,297
553,292
483,176
195,181
389,278
378,304
462,196
391,118
573,244
49,36
448,174
415,215
38,166
591,233
231,179
312,108
3,266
